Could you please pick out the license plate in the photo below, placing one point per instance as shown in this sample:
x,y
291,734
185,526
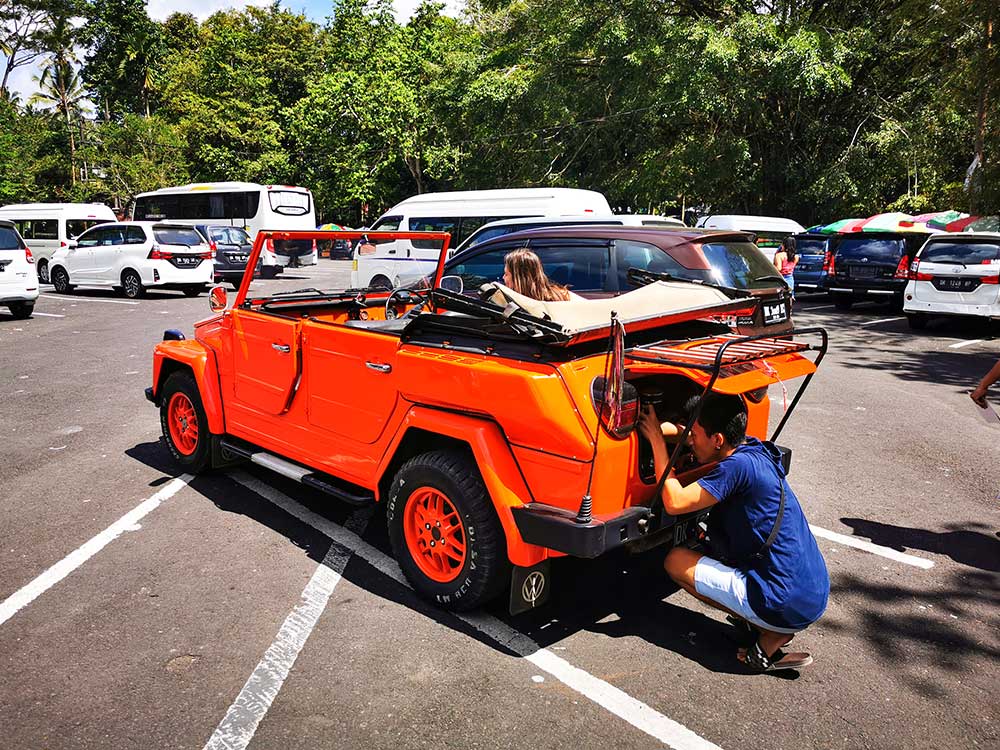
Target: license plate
x,y
775,313
863,272
188,261
680,532
238,258
955,285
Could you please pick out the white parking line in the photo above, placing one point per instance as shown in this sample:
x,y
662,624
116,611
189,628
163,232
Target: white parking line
x,y
960,344
28,593
621,704
240,723
875,549
88,299
818,307
880,320
48,315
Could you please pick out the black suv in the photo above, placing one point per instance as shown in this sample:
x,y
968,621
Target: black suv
x,y
871,265
232,247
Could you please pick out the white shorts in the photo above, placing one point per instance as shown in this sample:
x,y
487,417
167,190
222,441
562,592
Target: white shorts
x,y
728,587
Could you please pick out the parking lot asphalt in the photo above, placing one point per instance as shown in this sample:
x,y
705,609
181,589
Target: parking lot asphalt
x,y
143,608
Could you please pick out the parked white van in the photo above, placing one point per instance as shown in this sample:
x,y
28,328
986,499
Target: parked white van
x,y
392,264
18,280
770,230
131,257
246,205
45,227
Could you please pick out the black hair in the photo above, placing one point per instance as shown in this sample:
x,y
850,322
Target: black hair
x,y
788,245
723,414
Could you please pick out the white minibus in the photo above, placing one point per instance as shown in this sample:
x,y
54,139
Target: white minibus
x,y
247,205
392,264
769,230
45,227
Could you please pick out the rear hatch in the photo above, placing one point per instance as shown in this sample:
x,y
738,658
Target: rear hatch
x,y
811,251
181,246
741,265
871,261
232,247
958,271
16,273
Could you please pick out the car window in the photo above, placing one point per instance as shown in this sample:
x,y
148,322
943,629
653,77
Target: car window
x,y
38,229
76,227
648,257
429,224
961,252
870,249
480,269
289,202
114,236
134,236
810,246
177,235
92,237
739,264
9,239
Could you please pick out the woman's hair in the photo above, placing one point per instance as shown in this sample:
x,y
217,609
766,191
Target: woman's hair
x,y
528,277
788,245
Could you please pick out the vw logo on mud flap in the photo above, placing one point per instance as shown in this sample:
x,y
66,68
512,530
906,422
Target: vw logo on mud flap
x,y
533,587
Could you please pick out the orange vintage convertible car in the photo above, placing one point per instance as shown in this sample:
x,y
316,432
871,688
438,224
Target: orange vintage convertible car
x,y
498,431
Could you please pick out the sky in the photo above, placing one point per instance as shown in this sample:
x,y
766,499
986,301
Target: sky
x,y
21,79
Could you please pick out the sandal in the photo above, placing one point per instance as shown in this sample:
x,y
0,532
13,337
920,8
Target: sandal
x,y
760,662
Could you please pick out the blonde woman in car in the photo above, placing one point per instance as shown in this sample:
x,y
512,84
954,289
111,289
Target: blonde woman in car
x,y
523,272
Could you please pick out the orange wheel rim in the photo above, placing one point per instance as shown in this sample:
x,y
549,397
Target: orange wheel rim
x,y
434,535
183,423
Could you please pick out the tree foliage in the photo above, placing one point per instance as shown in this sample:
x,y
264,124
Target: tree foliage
x,y
814,109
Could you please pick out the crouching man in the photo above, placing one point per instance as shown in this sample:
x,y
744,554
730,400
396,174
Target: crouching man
x,y
773,580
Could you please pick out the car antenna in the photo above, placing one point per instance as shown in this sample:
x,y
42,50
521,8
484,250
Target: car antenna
x,y
614,378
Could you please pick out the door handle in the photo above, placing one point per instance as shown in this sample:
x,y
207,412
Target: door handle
x,y
378,367
283,348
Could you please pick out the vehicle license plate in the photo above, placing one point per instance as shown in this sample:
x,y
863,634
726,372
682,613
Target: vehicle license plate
x,y
955,284
680,532
775,313
863,272
181,261
237,258
808,267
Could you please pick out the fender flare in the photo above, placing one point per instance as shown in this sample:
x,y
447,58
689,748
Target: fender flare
x,y
170,356
497,466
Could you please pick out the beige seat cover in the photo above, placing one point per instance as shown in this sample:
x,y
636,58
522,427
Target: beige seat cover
x,y
579,313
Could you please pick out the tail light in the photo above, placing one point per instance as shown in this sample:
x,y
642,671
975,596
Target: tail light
x,y
28,256
990,279
622,424
902,269
157,254
207,255
828,265
915,274
269,245
213,246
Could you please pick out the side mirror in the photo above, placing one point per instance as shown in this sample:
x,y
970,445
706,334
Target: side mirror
x,y
218,300
453,284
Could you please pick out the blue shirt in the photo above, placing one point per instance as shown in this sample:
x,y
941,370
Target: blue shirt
x,y
788,586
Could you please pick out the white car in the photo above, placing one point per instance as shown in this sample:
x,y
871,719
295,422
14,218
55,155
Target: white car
x,y
18,278
134,256
954,274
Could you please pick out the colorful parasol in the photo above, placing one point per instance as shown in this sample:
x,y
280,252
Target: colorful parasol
x,y
841,227
890,222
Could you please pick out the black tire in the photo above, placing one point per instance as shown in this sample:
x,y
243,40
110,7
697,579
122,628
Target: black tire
x,y
193,291
842,301
60,280
268,272
183,384
43,271
380,282
917,321
485,570
21,310
132,286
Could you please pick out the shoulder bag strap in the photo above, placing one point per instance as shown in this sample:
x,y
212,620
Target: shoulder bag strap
x,y
777,522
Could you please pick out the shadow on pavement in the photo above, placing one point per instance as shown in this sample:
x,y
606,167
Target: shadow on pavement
x,y
959,370
918,633
972,544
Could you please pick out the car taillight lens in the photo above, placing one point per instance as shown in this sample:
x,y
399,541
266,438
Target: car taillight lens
x,y
628,418
207,255
990,279
902,269
157,254
213,246
269,244
828,265
28,256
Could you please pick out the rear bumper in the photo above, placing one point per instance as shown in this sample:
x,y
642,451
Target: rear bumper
x,y
8,296
167,274
859,290
945,308
556,529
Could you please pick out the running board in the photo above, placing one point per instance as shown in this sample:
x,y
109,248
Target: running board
x,y
331,485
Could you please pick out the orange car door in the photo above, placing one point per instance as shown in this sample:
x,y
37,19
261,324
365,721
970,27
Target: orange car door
x,y
349,383
267,360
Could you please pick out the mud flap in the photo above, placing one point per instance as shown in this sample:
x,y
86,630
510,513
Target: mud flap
x,y
529,587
